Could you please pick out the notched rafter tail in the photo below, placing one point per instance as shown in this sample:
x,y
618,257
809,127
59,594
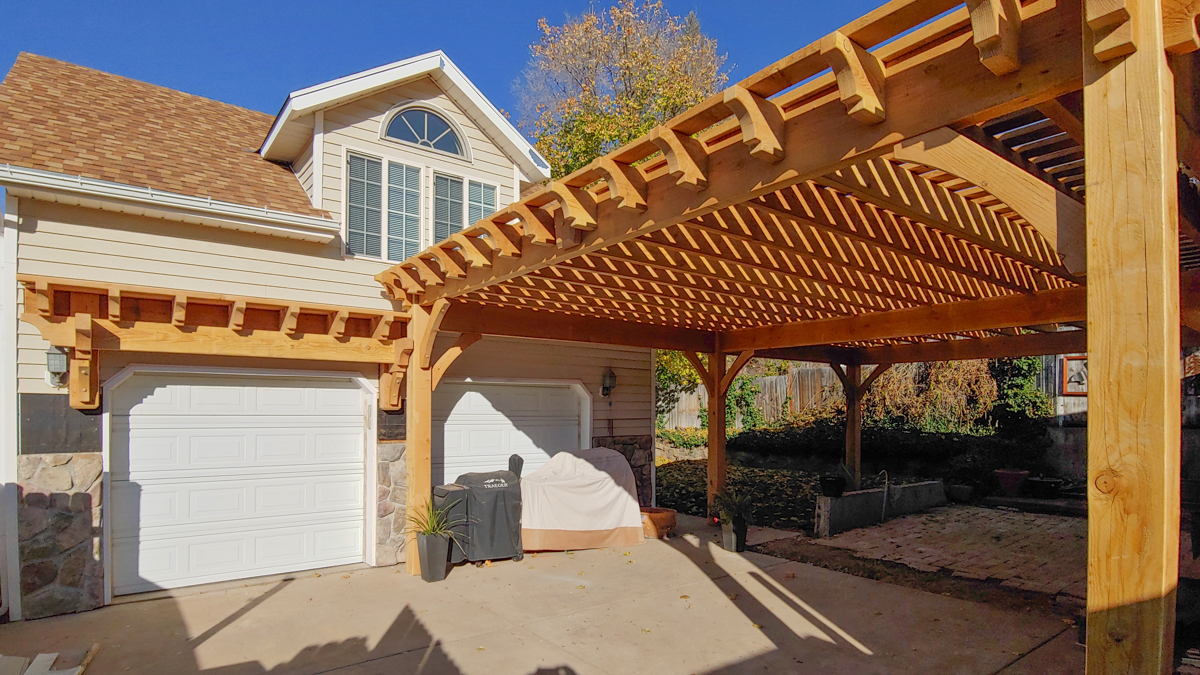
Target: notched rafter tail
x,y
860,77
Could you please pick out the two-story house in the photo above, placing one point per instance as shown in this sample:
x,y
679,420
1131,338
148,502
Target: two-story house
x,y
197,366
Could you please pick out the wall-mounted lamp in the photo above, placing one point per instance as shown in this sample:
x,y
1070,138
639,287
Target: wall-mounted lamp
x,y
608,383
57,365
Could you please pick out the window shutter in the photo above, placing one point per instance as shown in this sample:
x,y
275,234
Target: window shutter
x,y
364,203
404,211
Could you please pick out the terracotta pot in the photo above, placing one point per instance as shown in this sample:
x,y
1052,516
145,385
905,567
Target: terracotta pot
x,y
1011,480
657,523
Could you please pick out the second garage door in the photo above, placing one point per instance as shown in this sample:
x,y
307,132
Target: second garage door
x,y
227,477
476,426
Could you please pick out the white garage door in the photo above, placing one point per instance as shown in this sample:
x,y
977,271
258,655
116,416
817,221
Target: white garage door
x,y
477,426
227,477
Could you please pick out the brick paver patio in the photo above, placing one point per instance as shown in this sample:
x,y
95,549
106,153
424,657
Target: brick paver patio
x,y
1027,551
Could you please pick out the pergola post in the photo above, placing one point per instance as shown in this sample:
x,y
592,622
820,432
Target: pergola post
x,y
1133,339
855,388
716,427
854,396
418,453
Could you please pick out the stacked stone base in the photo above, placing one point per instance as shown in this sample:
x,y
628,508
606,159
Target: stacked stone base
x,y
639,450
391,515
59,535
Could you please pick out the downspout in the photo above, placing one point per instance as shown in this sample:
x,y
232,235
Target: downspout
x,y
9,417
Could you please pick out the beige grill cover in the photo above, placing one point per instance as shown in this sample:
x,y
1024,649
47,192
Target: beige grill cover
x,y
580,499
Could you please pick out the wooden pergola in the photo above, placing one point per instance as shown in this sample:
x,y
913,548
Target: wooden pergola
x,y
930,182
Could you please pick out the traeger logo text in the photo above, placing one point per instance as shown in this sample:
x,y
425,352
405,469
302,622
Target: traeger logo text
x,y
494,483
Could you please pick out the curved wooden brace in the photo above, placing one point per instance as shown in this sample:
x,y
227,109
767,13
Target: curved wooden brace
x,y
687,160
577,206
445,360
505,239
477,252
705,379
860,77
738,363
761,122
1179,26
538,224
424,343
452,262
1112,23
382,327
625,184
996,25
1053,214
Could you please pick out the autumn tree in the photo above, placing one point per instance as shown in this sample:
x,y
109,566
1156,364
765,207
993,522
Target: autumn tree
x,y
603,79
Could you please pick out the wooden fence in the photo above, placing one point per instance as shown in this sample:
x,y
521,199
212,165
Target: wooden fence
x,y
804,385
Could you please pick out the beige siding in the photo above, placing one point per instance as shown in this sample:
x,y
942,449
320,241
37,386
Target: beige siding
x,y
632,407
303,166
356,126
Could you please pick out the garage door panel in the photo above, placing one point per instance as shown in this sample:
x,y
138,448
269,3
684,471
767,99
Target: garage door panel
x,y
153,506
217,478
478,426
182,561
270,449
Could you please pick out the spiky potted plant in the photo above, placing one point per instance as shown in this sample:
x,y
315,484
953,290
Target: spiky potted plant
x,y
735,510
435,533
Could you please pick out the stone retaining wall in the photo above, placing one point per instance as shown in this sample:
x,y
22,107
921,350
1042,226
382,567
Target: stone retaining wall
x,y
391,514
58,529
639,450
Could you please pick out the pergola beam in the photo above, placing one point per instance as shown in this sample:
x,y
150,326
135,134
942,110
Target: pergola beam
x,y
1058,306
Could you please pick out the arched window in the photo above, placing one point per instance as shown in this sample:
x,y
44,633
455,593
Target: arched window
x,y
426,129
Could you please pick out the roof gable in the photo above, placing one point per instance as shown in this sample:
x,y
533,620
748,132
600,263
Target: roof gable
x,y
293,125
68,119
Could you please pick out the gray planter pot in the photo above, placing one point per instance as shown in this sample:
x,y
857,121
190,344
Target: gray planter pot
x,y
433,550
733,536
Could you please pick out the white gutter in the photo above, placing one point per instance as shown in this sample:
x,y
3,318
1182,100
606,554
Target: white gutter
x,y
81,191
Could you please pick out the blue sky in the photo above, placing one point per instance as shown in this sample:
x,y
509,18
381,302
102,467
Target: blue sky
x,y
252,53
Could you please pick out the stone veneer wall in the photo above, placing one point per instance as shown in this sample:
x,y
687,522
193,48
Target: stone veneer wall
x,y
639,450
58,529
391,514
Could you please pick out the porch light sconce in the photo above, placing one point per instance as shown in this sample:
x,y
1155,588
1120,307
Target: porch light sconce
x,y
608,383
57,365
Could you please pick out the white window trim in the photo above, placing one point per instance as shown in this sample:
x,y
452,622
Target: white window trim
x,y
466,157
383,204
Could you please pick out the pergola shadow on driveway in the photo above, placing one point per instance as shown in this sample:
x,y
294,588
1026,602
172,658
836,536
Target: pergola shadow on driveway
x,y
680,606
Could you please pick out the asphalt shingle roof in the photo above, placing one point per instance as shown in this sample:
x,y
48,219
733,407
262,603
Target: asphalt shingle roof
x,y
69,119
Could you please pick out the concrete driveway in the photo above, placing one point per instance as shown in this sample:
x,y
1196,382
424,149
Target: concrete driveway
x,y
682,606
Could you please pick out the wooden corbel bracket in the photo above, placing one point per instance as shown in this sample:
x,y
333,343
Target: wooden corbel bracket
x,y
505,239
860,77
391,376
84,374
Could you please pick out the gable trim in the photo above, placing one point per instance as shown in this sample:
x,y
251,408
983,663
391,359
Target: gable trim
x,y
436,64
